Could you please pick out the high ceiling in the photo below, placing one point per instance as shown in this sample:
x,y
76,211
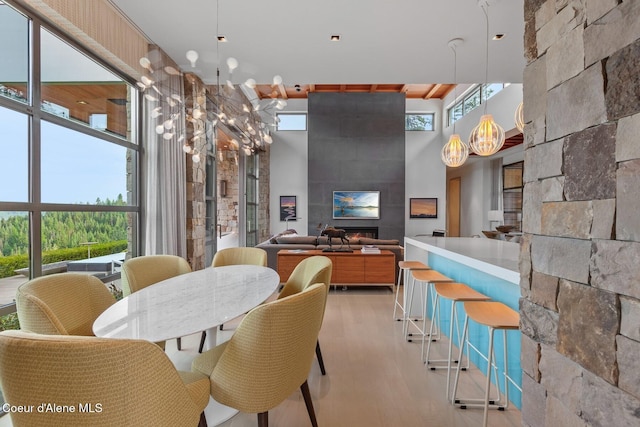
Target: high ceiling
x,y
399,46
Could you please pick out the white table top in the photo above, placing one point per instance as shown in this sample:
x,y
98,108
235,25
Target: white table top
x,y
188,303
495,257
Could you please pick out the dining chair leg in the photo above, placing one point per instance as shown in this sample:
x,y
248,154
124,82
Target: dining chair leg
x,y
179,340
319,356
263,419
203,420
202,338
307,401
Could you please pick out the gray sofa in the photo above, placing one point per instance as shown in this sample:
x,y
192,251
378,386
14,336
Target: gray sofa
x,y
289,241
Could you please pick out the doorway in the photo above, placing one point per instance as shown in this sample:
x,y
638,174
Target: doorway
x,y
453,207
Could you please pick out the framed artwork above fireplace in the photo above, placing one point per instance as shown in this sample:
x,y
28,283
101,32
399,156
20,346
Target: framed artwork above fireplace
x,y
356,205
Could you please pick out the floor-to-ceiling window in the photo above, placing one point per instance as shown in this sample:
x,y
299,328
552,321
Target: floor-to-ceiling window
x,y
68,154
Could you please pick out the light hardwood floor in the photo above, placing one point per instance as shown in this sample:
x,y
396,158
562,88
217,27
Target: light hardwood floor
x,y
374,377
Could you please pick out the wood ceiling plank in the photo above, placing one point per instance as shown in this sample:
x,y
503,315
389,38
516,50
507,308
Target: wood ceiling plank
x,y
433,90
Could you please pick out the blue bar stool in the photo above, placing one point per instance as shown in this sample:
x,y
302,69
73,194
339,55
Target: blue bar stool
x,y
456,292
495,316
426,278
403,274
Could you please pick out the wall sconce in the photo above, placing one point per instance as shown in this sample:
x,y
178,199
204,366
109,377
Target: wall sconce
x,y
223,188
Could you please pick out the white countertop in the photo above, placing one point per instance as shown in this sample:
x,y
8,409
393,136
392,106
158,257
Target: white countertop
x,y
496,257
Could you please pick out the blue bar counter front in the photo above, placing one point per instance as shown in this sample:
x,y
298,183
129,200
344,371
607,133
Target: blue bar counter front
x,y
488,267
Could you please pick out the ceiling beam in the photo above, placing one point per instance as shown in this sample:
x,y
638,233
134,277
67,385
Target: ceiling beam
x,y
433,90
283,91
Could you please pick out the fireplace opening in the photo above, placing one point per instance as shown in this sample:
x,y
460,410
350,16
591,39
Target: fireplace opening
x,y
358,232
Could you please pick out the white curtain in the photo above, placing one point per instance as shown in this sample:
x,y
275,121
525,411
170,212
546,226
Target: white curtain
x,y
163,167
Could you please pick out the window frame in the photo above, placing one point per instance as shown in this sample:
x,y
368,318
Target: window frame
x,y
470,93
433,121
306,121
36,115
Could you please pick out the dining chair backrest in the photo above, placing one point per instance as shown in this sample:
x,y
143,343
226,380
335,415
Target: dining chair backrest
x,y
240,256
315,269
269,355
140,272
62,304
105,382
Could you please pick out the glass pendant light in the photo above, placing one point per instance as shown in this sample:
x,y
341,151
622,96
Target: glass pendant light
x,y
455,152
488,137
519,117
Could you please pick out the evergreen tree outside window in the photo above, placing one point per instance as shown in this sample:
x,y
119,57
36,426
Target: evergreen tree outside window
x,y
420,122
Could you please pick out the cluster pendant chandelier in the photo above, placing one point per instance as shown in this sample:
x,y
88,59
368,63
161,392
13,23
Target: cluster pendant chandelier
x,y
488,137
247,122
455,152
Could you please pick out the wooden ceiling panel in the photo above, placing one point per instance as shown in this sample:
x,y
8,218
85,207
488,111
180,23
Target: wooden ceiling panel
x,y
412,91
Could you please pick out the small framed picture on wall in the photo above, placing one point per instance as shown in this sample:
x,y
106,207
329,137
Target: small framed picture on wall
x,y
288,208
423,208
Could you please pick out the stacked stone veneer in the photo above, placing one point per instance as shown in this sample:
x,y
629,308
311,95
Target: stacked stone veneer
x,y
195,97
580,258
227,205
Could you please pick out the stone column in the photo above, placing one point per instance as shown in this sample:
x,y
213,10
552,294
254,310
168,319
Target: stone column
x,y
195,97
580,258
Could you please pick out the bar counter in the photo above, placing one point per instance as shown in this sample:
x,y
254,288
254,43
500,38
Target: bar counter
x,y
488,266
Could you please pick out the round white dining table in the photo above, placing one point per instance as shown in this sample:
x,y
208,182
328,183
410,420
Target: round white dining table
x,y
188,304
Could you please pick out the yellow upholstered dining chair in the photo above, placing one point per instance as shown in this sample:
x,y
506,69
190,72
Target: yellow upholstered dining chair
x,y
239,256
62,304
143,271
315,269
96,382
269,355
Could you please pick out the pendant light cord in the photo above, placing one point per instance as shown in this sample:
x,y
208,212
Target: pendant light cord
x,y
455,85
486,56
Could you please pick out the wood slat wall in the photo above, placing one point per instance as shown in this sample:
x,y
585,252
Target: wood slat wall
x,y
100,27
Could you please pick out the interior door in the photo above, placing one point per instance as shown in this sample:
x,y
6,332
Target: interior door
x,y
453,207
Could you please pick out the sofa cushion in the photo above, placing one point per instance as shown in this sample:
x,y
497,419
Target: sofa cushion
x,y
304,240
323,240
290,232
369,241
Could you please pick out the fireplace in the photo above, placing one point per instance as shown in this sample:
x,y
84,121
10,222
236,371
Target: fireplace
x,y
357,232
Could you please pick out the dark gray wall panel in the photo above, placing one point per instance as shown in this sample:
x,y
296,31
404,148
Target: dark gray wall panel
x,y
356,142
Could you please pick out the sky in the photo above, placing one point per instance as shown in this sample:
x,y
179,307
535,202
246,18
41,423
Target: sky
x,y
76,168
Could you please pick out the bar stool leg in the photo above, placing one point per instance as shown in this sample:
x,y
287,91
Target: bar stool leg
x,y
494,402
408,336
434,335
401,272
488,383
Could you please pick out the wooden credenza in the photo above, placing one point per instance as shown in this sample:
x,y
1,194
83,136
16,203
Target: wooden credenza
x,y
351,268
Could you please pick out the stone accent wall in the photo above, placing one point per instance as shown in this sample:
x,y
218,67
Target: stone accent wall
x,y
580,256
264,194
195,97
227,206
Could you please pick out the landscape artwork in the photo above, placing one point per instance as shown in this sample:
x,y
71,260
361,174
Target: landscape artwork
x,y
356,204
287,208
423,208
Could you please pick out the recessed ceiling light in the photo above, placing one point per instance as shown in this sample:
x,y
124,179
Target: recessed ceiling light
x,y
498,37
335,38
82,102
222,39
